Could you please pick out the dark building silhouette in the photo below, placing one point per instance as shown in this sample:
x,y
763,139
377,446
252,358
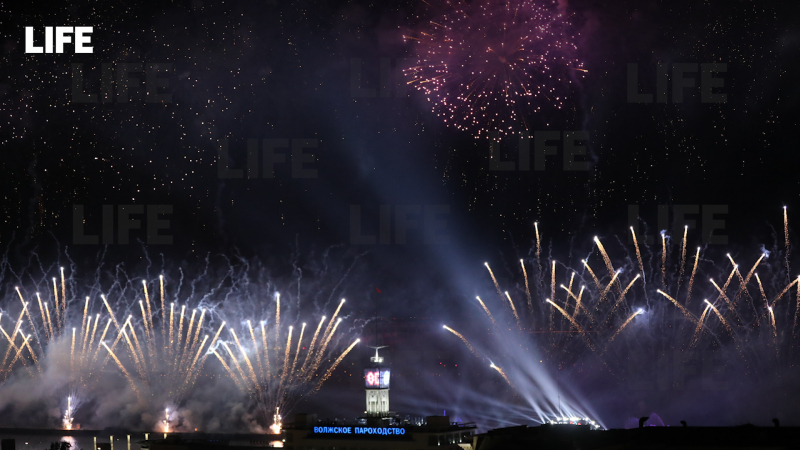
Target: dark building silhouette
x,y
581,437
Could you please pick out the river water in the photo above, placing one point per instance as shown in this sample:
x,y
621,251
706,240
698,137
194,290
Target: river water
x,y
42,442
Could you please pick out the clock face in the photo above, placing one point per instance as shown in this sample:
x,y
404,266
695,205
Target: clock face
x,y
377,378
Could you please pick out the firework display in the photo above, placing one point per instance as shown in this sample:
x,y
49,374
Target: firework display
x,y
630,306
172,360
284,371
159,346
488,66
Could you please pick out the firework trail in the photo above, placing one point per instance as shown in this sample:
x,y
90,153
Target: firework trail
x,y
496,285
731,306
622,295
297,352
513,310
743,292
275,381
691,277
572,321
683,259
310,347
786,240
488,313
722,319
527,287
155,368
742,284
335,364
578,305
699,326
166,368
329,330
678,305
763,294
111,326
663,260
786,289
625,324
608,286
569,290
796,311
606,259
487,66
538,247
774,328
463,339
324,346
82,368
638,253
751,335
552,295
502,374
591,272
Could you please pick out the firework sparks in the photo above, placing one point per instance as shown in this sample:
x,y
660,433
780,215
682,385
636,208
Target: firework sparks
x,y
527,287
625,291
335,364
786,238
638,253
502,374
625,324
275,381
591,272
66,422
463,339
697,330
774,327
722,319
486,66
485,309
683,258
513,309
678,305
158,353
743,341
664,259
691,277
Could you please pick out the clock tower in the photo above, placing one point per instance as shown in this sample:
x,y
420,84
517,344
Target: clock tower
x,y
376,380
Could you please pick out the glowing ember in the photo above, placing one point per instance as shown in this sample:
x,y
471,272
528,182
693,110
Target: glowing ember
x,y
488,65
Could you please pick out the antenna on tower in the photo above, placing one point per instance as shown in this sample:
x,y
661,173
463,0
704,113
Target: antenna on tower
x,y
377,358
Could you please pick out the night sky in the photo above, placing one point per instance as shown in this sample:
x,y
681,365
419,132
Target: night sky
x,y
328,76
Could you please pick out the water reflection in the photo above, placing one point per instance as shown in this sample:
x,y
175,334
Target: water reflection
x,y
43,442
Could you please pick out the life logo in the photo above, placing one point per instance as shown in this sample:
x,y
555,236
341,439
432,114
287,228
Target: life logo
x,y
61,36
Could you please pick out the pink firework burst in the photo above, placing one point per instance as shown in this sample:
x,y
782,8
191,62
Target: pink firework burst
x,y
488,65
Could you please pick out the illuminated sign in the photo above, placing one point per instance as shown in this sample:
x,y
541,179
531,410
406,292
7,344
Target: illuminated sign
x,y
377,378
381,431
